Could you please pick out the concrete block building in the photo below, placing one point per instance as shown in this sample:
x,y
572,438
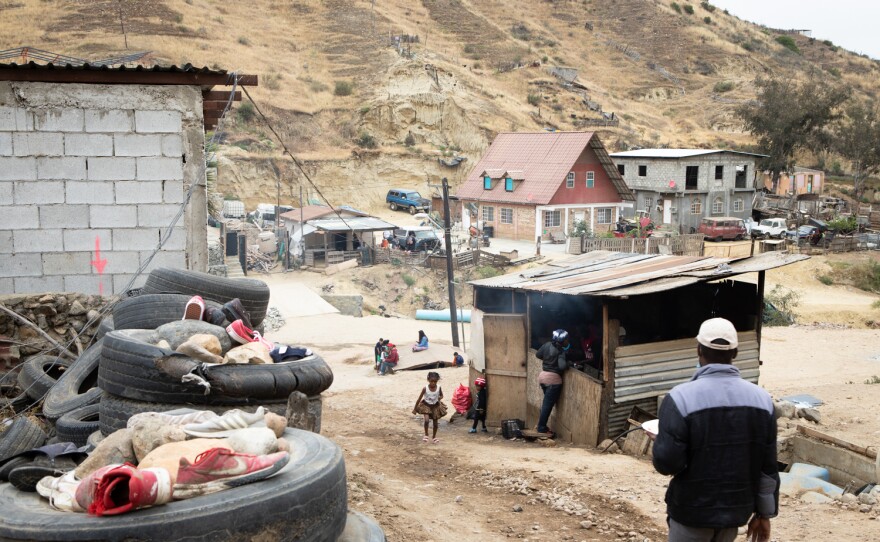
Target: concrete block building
x,y
530,185
801,180
678,187
95,167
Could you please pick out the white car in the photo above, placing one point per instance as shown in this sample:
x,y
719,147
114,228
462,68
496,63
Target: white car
x,y
770,227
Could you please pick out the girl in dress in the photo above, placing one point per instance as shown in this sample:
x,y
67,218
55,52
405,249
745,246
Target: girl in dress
x,y
430,404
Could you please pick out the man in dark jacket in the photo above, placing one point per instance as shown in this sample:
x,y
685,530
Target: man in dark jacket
x,y
552,354
717,438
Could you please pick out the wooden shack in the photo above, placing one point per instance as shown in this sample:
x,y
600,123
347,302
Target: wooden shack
x,y
638,314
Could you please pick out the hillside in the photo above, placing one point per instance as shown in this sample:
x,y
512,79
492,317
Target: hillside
x,y
471,69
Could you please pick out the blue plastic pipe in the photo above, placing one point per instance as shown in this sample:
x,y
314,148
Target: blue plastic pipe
x,y
464,315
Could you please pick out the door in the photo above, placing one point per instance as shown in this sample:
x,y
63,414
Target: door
x,y
465,217
667,211
504,353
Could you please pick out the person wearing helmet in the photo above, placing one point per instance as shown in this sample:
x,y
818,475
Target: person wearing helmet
x,y
480,406
552,354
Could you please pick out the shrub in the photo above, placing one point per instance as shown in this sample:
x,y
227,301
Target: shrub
x,y
246,112
747,46
343,88
689,9
366,141
876,304
834,71
409,140
873,380
829,43
866,276
723,86
486,272
675,7
408,279
788,43
843,224
779,306
826,280
533,99
707,6
244,41
365,109
707,19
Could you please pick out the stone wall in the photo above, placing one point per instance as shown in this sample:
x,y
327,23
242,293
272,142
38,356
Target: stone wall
x,y
87,168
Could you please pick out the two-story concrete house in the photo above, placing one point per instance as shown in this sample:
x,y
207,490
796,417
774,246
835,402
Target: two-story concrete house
x,y
678,187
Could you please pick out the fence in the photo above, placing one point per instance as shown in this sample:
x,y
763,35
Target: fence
x,y
837,243
681,245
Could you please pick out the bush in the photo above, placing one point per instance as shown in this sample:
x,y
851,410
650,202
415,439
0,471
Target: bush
x,y
366,141
873,380
707,19
533,99
580,229
826,280
829,43
707,6
866,276
675,7
843,224
689,9
408,279
779,306
246,112
788,43
876,304
343,88
486,272
747,46
409,141
244,41
723,86
834,71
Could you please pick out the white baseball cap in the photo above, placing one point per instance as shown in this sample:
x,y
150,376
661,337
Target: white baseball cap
x,y
717,328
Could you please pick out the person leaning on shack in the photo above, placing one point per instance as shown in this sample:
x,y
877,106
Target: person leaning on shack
x,y
717,439
552,354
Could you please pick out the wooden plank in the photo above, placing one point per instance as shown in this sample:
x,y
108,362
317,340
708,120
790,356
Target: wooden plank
x,y
220,95
504,350
837,442
214,105
534,396
506,398
500,372
577,412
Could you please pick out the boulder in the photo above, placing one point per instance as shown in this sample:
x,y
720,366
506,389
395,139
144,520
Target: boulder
x,y
809,414
150,433
867,498
251,353
115,448
784,409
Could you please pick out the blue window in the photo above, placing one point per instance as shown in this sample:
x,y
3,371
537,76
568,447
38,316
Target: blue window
x,y
508,184
487,183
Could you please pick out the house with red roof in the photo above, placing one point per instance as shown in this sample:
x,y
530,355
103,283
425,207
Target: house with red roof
x,y
531,185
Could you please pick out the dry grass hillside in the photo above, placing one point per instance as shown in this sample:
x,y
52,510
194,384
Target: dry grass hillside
x,y
475,67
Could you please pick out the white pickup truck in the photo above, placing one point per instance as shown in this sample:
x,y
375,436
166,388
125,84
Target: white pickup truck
x,y
770,227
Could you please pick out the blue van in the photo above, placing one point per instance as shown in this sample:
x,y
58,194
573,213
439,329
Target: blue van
x,y
399,198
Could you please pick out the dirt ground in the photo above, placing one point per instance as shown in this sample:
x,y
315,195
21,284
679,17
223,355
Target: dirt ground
x,y
482,487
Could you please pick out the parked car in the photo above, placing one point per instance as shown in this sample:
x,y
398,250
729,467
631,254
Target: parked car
x,y
718,228
426,238
264,216
770,227
803,232
399,198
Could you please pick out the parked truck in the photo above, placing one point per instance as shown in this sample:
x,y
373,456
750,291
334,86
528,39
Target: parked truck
x,y
770,227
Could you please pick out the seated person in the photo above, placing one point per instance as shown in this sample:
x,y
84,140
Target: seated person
x,y
390,360
457,359
422,344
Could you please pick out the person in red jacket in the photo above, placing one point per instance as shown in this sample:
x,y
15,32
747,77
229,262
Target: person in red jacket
x,y
390,361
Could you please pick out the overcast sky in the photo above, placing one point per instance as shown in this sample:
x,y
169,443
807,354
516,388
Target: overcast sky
x,y
851,24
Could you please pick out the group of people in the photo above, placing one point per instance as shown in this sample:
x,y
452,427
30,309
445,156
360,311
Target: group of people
x,y
408,243
386,356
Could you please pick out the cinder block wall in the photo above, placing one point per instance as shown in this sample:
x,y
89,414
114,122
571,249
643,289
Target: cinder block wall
x,y
84,166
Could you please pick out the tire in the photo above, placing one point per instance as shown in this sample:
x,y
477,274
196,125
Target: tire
x,y
412,209
105,327
254,294
361,528
718,239
150,311
78,387
128,369
23,434
77,425
40,373
305,501
18,403
738,238
114,411
393,206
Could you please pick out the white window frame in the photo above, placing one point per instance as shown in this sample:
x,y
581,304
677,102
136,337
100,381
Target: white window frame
x,y
649,202
718,206
696,206
738,205
600,219
591,179
549,217
509,211
488,214
569,180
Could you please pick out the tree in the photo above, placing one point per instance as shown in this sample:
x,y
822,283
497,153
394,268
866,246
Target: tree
x,y
788,116
858,140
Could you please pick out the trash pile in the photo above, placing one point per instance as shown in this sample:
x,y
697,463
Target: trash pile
x,y
181,396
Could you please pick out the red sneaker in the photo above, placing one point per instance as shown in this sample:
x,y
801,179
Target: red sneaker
x,y
219,468
195,309
240,333
126,488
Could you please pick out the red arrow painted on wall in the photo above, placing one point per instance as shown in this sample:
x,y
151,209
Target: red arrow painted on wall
x,y
99,264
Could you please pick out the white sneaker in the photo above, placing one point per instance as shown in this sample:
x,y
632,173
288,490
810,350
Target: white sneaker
x,y
226,424
181,416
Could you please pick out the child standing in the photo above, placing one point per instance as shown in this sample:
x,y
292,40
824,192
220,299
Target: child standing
x,y
430,404
480,406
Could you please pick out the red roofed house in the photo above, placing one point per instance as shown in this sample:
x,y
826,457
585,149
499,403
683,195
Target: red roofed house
x,y
539,184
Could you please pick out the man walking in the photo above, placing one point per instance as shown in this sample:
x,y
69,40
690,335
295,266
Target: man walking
x,y
717,438
552,354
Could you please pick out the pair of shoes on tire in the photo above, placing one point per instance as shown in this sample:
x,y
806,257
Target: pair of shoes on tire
x,y
243,334
219,468
117,489
225,425
29,467
231,311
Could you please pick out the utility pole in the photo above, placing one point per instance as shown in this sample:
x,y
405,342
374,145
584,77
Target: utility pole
x,y
450,277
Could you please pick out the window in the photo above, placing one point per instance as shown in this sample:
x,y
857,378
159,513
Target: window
x,y
488,214
648,203
508,184
717,206
696,206
487,183
643,171
506,215
741,172
569,181
552,219
738,205
621,168
719,173
690,177
591,179
603,215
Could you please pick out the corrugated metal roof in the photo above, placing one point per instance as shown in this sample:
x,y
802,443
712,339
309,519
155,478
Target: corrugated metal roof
x,y
354,223
676,153
310,212
544,158
186,68
615,274
104,74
